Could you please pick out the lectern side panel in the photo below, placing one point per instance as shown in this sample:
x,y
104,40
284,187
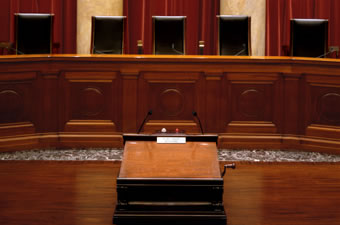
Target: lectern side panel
x,y
199,192
157,219
152,160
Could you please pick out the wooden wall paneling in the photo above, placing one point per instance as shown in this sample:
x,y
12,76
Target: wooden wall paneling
x,y
253,111
17,97
142,103
91,103
324,106
74,101
292,103
225,101
63,101
254,100
48,108
48,95
89,112
117,93
213,102
172,96
17,107
200,106
129,100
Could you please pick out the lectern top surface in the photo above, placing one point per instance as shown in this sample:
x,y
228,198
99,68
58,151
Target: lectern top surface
x,y
147,159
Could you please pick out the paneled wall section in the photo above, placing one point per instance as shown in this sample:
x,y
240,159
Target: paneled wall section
x,y
251,102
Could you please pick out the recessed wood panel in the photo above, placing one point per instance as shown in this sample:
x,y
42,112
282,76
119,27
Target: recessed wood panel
x,y
90,100
171,101
252,99
171,97
91,96
12,106
251,102
325,105
17,102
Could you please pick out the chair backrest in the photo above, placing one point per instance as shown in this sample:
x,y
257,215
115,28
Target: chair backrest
x,y
234,35
107,35
33,33
308,37
169,35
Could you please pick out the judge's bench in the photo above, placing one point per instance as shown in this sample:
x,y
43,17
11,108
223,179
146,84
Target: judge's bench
x,y
90,100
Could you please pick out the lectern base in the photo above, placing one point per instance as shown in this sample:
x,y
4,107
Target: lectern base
x,y
155,189
169,219
169,202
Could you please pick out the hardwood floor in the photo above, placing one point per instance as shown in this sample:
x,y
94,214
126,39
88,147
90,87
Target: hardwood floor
x,y
46,192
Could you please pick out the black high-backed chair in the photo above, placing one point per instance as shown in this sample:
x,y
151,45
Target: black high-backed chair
x,y
234,35
169,35
107,35
308,37
33,33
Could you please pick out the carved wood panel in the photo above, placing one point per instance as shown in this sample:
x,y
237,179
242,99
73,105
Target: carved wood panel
x,y
17,102
171,101
253,101
171,97
91,99
325,105
322,106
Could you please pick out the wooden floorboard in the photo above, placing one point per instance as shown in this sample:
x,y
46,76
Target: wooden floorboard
x,y
52,192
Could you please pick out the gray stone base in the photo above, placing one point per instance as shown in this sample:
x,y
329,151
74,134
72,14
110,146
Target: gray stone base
x,y
223,154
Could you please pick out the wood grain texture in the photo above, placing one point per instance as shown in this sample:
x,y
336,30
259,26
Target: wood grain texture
x,y
146,159
39,192
251,102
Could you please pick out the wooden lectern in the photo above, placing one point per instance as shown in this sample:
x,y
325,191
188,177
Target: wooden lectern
x,y
169,184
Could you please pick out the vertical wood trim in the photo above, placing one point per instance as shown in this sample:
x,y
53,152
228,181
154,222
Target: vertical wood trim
x,y
129,101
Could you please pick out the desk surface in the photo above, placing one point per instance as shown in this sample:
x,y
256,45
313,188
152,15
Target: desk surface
x,y
145,159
